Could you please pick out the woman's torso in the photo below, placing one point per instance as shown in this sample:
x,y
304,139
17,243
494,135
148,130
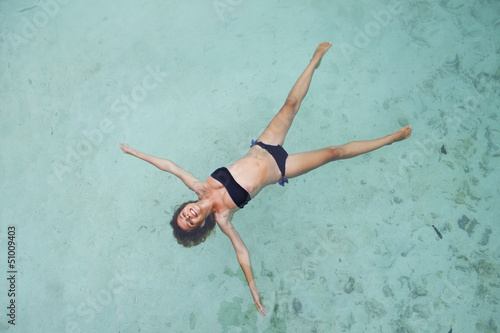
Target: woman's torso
x,y
253,172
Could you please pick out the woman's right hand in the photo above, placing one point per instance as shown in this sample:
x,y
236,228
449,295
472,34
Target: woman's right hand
x,y
128,150
257,301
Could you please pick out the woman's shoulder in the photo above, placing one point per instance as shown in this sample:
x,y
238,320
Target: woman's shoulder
x,y
224,218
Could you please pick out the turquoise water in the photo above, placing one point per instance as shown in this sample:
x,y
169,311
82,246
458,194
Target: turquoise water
x,y
346,248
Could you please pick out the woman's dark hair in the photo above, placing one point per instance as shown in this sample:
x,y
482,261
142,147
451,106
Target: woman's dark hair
x,y
193,237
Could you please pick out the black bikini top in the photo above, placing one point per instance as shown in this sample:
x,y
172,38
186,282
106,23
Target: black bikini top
x,y
237,193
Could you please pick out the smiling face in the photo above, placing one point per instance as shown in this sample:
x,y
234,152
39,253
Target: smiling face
x,y
191,217
192,222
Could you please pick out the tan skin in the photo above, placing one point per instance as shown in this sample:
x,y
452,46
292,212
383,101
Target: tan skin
x,y
257,169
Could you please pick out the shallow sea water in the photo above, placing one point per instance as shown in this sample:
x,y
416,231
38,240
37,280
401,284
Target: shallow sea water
x,y
349,247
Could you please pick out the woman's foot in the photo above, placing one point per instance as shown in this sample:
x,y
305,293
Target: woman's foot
x,y
402,133
319,53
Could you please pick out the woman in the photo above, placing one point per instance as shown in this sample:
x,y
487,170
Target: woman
x,y
229,189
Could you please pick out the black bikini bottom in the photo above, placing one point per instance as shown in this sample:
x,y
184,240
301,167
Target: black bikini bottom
x,y
279,154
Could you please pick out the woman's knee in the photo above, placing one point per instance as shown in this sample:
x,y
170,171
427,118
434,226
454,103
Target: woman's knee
x,y
291,106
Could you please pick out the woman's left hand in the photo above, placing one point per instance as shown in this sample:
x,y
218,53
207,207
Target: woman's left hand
x,y
128,150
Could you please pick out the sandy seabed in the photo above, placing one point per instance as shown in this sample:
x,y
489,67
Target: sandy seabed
x,y
350,247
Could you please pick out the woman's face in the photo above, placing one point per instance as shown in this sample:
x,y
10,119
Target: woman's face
x,y
191,217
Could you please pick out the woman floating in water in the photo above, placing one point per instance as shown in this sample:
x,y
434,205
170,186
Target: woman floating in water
x,y
229,189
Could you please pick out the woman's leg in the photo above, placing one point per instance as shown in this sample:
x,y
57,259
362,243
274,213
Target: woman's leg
x,y
277,129
299,164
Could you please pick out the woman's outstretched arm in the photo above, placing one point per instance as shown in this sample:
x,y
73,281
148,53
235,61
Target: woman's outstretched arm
x,y
244,260
165,165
